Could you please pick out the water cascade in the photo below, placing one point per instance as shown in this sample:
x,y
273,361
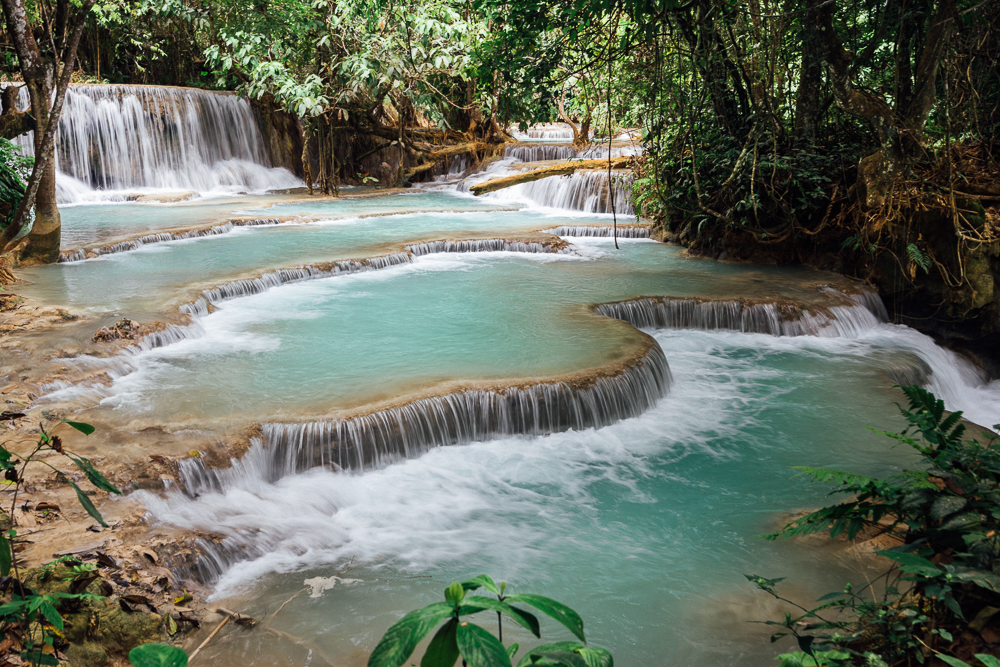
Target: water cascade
x,y
480,245
766,318
377,439
115,138
599,152
249,286
163,237
600,231
554,132
539,153
582,191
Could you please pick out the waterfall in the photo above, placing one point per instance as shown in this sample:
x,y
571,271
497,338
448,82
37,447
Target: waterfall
x,y
581,191
766,318
377,439
550,132
480,245
601,231
125,246
116,138
539,153
250,286
601,152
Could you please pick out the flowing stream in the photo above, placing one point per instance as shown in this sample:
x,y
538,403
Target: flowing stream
x,y
440,393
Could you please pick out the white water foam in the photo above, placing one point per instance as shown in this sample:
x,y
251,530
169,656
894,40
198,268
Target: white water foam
x,y
320,518
115,141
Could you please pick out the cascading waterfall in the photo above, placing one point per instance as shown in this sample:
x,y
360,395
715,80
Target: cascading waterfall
x,y
539,153
550,132
407,431
602,152
480,245
765,318
600,231
250,286
126,246
582,191
114,138
543,152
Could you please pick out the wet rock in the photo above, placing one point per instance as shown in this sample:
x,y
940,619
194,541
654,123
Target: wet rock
x,y
124,328
915,372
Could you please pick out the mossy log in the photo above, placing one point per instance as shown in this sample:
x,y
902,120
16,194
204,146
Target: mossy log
x,y
555,170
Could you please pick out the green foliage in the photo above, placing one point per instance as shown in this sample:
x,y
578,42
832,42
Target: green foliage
x,y
918,257
458,638
944,519
15,169
157,655
36,617
317,56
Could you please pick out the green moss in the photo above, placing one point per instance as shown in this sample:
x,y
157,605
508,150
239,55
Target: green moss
x,y
97,630
979,291
88,654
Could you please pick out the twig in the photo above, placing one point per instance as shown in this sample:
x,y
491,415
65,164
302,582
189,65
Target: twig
x,y
271,617
210,637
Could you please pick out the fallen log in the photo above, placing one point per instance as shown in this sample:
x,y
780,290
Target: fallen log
x,y
437,156
561,169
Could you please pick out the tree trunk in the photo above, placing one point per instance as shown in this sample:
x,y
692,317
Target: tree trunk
x,y
807,101
43,241
14,123
40,75
899,132
564,117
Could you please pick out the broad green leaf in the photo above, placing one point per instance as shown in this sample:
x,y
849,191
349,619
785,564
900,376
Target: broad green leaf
x,y
565,658
596,657
476,603
479,648
482,581
51,615
946,505
988,660
6,560
987,580
556,610
95,477
913,563
157,655
88,505
443,650
399,640
11,608
86,429
954,662
533,655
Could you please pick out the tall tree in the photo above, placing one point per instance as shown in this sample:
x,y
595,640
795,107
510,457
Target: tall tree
x,y
46,69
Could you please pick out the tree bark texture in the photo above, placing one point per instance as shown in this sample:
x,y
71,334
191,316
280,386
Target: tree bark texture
x,y
47,78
